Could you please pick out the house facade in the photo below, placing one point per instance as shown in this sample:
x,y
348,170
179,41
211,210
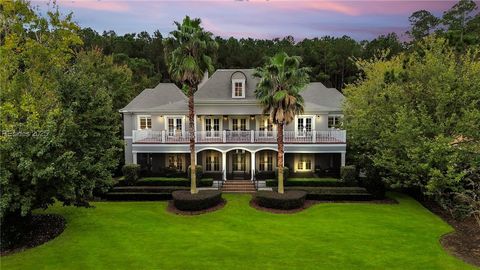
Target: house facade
x,y
234,139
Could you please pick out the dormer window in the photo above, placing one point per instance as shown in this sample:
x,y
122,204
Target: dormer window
x,y
238,88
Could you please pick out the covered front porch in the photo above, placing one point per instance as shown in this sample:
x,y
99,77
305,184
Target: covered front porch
x,y
240,164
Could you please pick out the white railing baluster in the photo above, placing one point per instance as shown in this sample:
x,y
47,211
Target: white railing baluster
x,y
241,136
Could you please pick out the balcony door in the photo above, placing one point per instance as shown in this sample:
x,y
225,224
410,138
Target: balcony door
x,y
239,124
175,126
304,126
212,127
265,127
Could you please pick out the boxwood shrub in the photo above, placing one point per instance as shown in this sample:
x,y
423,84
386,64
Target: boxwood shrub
x,y
314,182
185,201
131,172
348,174
286,173
179,182
291,199
375,186
198,169
263,175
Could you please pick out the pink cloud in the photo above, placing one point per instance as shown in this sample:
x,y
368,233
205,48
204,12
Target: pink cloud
x,y
320,5
114,6
358,8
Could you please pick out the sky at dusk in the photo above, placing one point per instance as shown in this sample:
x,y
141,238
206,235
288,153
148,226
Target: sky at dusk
x,y
256,19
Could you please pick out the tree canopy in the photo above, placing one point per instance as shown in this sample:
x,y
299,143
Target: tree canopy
x,y
59,120
413,120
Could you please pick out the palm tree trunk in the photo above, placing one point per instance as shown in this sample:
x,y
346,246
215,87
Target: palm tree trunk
x,y
191,130
280,158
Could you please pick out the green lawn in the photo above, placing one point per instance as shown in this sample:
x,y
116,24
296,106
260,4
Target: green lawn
x,y
142,235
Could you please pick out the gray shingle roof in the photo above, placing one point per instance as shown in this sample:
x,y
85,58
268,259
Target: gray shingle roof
x,y
165,97
219,86
317,97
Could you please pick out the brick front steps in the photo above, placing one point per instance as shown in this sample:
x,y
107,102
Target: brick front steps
x,y
238,186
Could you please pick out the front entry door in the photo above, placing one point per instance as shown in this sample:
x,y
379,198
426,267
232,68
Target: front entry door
x,y
239,162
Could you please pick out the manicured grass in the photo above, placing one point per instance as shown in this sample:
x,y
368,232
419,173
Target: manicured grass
x,y
142,235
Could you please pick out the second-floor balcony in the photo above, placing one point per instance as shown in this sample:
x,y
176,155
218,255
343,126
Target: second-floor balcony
x,y
248,136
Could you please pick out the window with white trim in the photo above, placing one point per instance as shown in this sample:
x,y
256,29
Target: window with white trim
x,y
304,125
238,88
212,161
176,161
212,126
266,161
144,122
174,126
335,121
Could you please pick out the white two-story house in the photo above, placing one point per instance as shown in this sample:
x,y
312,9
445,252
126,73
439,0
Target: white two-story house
x,y
233,138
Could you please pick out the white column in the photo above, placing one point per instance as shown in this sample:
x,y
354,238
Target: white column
x,y
134,161
343,158
253,163
224,165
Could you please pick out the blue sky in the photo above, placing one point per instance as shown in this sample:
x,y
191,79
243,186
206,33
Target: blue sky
x,y
254,18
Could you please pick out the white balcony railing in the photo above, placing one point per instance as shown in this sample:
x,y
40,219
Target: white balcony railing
x,y
248,136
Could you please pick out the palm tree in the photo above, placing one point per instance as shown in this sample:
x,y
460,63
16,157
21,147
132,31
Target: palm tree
x,y
188,54
278,91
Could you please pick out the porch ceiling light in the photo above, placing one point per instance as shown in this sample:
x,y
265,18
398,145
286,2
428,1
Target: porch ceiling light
x,y
252,117
225,117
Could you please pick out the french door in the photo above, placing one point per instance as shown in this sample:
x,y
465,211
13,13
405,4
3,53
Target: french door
x,y
239,161
304,126
175,126
212,127
265,127
239,124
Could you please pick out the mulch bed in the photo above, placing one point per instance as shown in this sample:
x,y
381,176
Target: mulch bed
x,y
40,229
172,209
309,203
465,241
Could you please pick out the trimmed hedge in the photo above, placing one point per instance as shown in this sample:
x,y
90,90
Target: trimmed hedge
x,y
263,175
185,201
335,193
348,174
165,181
291,199
131,172
311,182
286,173
375,186
198,170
